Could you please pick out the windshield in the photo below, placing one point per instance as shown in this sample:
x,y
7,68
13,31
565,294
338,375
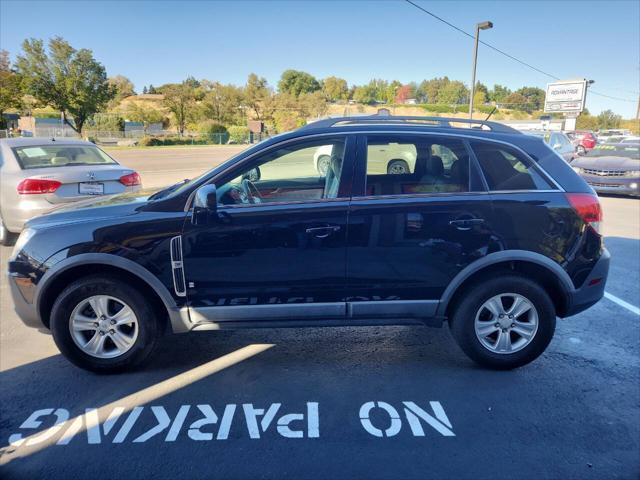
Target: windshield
x,y
627,151
45,156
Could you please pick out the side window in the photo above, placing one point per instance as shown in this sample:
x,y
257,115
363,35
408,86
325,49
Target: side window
x,y
301,171
390,157
505,168
415,164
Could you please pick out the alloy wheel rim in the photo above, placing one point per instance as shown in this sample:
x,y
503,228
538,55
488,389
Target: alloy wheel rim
x,y
398,169
103,326
323,166
506,323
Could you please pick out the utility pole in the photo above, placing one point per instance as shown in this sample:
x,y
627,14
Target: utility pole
x,y
479,26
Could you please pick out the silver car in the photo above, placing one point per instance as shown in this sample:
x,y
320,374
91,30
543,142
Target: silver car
x,y
38,174
559,142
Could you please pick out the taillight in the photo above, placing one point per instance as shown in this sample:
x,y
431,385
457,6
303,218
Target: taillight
x,y
130,180
588,207
37,185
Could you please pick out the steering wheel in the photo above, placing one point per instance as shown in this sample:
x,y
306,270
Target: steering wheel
x,y
251,191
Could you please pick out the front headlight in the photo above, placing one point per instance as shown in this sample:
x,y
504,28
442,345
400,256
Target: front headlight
x,y
633,173
577,169
24,237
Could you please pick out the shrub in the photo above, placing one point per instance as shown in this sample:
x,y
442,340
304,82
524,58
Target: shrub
x,y
209,127
238,134
484,108
438,108
150,142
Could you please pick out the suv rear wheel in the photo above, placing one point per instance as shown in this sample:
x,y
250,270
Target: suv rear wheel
x,y
101,324
504,323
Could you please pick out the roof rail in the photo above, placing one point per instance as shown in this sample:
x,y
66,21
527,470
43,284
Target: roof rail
x,y
446,122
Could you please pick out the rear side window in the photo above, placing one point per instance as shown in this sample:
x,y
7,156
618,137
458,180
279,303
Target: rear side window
x,y
46,156
413,164
505,168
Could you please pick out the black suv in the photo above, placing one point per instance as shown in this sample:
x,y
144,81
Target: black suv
x,y
483,227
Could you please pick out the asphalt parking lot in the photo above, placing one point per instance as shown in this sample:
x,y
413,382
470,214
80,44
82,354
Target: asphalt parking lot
x,y
393,402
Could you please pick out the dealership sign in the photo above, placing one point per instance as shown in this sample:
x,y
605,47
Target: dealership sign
x,y
567,96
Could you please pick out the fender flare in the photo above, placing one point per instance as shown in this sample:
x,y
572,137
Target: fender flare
x,y
113,261
500,257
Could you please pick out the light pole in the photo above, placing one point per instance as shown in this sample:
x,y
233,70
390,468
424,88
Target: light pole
x,y
479,26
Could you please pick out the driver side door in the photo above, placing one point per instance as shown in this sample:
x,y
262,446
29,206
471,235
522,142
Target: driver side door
x,y
277,248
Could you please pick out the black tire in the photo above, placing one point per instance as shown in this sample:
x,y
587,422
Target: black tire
x,y
398,167
148,326
7,238
462,320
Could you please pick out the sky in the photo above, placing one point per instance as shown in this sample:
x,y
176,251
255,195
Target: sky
x,y
156,42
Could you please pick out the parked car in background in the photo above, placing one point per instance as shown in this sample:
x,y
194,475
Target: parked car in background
x,y
603,135
392,159
559,142
39,174
612,168
498,243
583,140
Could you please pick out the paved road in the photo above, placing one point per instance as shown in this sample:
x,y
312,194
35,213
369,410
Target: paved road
x,y
164,166
296,403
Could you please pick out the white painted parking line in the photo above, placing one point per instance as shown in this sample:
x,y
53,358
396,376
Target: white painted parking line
x,y
622,303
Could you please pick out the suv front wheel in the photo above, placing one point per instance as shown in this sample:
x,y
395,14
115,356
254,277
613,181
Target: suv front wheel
x,y
504,323
101,324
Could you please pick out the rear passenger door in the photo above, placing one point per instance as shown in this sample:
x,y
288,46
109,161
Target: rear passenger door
x,y
411,233
529,208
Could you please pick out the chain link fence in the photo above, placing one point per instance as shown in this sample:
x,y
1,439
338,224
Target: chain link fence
x,y
141,138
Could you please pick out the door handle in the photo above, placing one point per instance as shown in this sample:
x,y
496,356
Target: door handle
x,y
467,223
323,232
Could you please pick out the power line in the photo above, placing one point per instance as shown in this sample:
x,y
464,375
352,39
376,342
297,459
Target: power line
x,y
522,62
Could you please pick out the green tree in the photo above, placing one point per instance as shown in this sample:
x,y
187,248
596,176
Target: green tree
x,y
180,100
312,104
257,96
335,89
390,91
608,119
516,101
481,87
534,95
152,90
222,103
143,113
585,121
429,90
498,93
453,93
479,98
67,79
365,94
296,82
10,86
123,88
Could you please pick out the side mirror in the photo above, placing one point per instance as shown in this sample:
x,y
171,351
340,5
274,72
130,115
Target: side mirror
x,y
205,205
